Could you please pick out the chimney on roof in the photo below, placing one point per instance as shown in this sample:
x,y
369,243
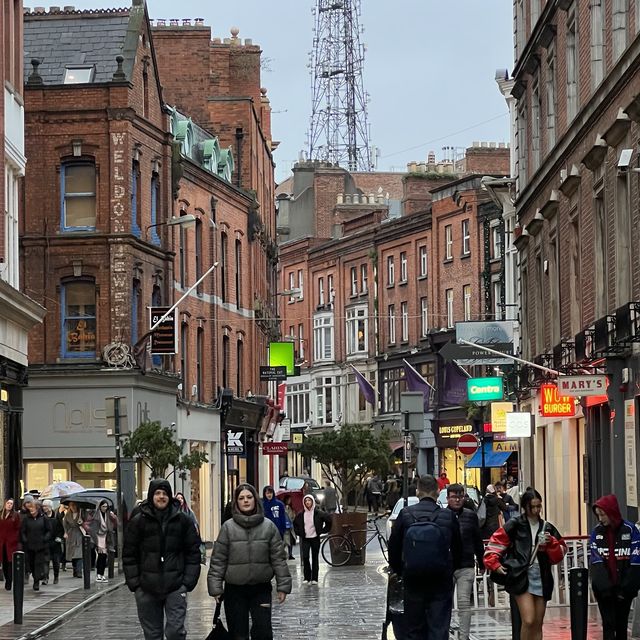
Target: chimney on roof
x,y
40,10
174,22
161,22
69,8
199,22
53,9
34,79
186,22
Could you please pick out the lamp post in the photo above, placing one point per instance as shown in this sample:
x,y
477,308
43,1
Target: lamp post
x,y
186,220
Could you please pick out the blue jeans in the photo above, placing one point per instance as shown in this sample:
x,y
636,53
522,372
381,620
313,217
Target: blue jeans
x,y
427,615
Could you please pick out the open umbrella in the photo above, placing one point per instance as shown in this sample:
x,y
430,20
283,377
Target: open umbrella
x,y
91,498
59,489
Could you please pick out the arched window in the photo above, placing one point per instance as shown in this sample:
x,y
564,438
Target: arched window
x,y
238,273
239,367
225,362
155,198
198,255
78,321
224,257
135,198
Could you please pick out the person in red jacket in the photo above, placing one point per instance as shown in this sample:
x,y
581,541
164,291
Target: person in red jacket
x,y
9,538
522,553
615,567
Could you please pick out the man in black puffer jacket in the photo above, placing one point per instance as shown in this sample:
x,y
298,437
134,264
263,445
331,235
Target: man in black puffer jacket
x,y
161,560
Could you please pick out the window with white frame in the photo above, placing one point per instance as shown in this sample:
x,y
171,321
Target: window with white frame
x,y
466,297
301,341
393,384
448,242
363,278
404,271
292,285
466,238
424,317
357,325
300,284
391,271
535,12
597,42
496,285
536,109
330,290
496,242
323,337
522,143
320,291
572,63
78,318
78,189
354,281
391,316
298,403
620,10
449,299
404,321
327,399
422,251
551,96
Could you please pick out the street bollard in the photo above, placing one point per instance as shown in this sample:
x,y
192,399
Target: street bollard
x,y
86,561
110,564
579,602
18,586
516,620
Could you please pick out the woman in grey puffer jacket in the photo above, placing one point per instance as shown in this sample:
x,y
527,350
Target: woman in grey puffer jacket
x,y
246,556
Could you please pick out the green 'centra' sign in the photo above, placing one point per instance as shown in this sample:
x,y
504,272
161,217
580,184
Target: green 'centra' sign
x,y
480,389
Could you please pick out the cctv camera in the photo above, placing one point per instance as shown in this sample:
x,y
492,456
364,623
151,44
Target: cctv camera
x,y
173,424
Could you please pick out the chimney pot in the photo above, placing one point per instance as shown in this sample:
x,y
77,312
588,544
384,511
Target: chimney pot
x,y
69,7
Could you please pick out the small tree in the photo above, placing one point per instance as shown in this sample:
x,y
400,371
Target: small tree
x,y
156,446
348,455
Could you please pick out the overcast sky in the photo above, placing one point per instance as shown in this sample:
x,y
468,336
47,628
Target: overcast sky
x,y
429,68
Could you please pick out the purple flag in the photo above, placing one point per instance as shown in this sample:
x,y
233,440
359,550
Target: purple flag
x,y
366,387
415,382
455,386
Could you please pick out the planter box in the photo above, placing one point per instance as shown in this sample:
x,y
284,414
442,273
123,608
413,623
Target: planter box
x,y
344,523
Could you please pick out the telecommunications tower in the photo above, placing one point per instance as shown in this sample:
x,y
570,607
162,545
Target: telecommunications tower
x,y
339,131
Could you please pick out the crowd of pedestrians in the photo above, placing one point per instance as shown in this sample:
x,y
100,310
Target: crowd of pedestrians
x,y
52,538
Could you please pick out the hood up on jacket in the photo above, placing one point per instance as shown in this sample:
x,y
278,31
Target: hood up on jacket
x,y
159,483
609,504
313,500
264,493
247,520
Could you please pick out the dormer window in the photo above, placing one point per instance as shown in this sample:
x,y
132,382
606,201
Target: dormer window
x,y
79,74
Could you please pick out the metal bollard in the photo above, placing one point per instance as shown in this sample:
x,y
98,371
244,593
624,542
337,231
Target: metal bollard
x,y
18,585
110,564
516,620
86,561
579,602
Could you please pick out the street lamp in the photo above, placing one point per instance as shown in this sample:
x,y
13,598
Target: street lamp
x,y
187,220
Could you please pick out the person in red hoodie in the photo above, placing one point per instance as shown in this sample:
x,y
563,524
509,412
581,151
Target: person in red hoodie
x,y
9,539
615,567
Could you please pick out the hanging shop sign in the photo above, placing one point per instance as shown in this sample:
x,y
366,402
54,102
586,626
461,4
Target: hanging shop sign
x,y
581,386
275,448
507,446
630,452
164,339
235,442
482,389
448,431
518,425
553,405
499,412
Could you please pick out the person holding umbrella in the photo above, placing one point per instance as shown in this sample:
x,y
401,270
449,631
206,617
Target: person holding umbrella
x,y
102,527
9,538
55,542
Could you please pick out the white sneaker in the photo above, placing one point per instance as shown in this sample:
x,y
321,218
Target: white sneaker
x,y
314,582
306,582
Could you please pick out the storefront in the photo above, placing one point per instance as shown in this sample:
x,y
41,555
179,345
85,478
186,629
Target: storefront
x,y
447,431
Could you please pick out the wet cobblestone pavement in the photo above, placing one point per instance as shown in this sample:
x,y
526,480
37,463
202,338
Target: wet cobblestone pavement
x,y
347,604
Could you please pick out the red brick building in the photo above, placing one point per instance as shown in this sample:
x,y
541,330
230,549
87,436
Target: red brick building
x,y
576,85
374,277
18,313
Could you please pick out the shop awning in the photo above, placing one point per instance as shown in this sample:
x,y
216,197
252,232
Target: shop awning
x,y
491,458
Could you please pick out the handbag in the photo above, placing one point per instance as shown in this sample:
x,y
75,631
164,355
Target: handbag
x,y
219,631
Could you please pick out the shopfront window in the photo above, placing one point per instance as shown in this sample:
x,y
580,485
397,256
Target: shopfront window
x,y
78,319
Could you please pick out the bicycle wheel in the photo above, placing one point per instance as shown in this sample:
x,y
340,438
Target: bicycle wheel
x,y
384,548
336,550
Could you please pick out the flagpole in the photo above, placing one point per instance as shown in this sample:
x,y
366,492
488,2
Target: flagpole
x,y
184,295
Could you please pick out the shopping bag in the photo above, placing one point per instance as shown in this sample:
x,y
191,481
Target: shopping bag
x,y
219,632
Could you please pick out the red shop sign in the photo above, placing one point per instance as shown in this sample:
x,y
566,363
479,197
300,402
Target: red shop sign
x,y
275,448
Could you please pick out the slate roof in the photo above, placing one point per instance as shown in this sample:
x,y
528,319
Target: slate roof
x,y
74,38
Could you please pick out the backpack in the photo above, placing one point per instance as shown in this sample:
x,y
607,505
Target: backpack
x,y
426,547
482,513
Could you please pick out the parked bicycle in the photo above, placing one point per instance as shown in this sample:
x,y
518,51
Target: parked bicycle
x,y
338,548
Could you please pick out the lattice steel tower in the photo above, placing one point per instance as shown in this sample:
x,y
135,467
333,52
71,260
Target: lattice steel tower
x,y
339,131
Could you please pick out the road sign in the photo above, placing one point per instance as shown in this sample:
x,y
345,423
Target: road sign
x,y
164,339
273,374
407,449
468,355
481,389
582,385
468,444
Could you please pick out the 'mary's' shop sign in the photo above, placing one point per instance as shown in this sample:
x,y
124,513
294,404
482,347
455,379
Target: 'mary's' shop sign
x,y
582,385
553,405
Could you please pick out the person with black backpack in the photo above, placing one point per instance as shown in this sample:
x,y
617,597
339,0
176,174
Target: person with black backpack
x,y
425,548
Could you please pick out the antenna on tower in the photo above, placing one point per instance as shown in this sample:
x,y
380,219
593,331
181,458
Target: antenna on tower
x,y
339,132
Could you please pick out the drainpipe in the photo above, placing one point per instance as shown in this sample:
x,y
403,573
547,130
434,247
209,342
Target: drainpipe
x,y
239,137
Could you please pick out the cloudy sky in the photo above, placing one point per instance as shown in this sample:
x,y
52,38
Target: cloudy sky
x,y
429,68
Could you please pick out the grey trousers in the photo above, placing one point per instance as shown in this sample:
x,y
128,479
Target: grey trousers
x,y
154,611
463,579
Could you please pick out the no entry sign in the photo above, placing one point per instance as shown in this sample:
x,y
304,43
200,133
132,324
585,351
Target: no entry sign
x,y
468,444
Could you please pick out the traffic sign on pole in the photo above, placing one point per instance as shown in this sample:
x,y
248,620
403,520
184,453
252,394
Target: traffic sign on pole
x,y
468,444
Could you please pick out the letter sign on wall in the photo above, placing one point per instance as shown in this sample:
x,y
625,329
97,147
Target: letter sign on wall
x,y
553,405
